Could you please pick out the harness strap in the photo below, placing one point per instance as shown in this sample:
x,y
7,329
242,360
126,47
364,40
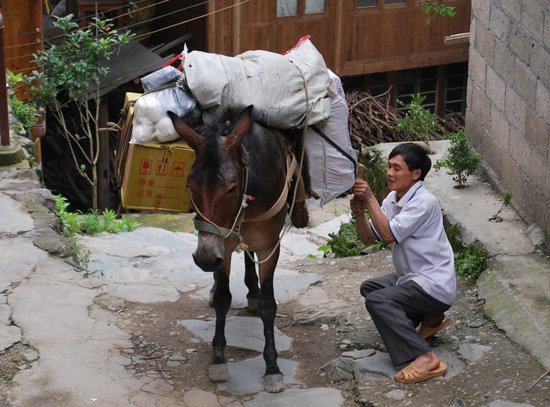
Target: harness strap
x,y
336,146
216,230
291,164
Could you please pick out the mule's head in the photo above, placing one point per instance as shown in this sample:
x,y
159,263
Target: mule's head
x,y
215,180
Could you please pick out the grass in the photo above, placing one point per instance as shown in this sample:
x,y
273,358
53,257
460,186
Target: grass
x,y
93,223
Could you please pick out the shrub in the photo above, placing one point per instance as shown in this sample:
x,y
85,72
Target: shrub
x,y
375,172
462,161
418,123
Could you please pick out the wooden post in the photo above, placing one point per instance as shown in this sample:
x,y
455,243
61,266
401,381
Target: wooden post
x,y
103,162
4,121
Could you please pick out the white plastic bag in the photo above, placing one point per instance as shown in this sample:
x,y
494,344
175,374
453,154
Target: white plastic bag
x,y
152,123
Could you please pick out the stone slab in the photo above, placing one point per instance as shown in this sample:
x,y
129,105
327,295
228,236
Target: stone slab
x,y
246,377
240,332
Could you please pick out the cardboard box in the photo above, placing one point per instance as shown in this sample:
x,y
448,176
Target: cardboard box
x,y
155,177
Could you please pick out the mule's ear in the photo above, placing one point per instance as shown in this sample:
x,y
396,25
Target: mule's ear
x,y
241,129
186,132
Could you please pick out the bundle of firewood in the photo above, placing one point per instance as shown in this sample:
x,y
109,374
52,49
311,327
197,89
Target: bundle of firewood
x,y
372,120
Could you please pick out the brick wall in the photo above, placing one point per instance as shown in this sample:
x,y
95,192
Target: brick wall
x,y
508,114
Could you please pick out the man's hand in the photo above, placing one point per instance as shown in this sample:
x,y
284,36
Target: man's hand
x,y
362,190
357,206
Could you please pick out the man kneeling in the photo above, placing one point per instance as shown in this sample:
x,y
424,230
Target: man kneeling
x,y
423,286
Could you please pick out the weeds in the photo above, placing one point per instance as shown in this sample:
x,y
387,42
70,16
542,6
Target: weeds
x,y
77,223
506,200
346,243
92,223
470,259
470,262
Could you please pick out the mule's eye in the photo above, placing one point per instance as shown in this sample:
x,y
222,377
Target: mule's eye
x,y
232,191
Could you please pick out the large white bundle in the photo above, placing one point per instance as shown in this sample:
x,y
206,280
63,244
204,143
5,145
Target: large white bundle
x,y
273,83
152,123
331,172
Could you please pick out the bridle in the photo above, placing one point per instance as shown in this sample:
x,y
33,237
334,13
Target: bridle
x,y
235,232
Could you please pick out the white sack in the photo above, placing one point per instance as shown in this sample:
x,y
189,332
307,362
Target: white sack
x,y
331,173
269,81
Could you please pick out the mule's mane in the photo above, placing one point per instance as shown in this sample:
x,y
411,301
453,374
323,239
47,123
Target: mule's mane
x,y
222,124
212,127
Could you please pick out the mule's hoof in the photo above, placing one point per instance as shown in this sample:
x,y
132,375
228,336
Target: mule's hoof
x,y
253,305
218,373
273,383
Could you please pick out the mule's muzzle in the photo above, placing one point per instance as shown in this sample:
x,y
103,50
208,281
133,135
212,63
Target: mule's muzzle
x,y
209,255
209,263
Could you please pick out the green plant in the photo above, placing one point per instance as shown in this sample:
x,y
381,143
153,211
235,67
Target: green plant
x,y
434,8
23,111
71,73
462,161
345,242
418,123
470,262
375,171
506,200
77,223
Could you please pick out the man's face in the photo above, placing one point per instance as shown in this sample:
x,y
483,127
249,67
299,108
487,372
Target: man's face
x,y
400,178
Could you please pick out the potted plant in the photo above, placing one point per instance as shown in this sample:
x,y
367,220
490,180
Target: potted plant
x,y
25,112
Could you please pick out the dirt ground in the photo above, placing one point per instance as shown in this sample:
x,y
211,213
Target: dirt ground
x,y
165,349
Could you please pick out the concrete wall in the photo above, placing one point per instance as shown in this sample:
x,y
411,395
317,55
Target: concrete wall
x,y
508,114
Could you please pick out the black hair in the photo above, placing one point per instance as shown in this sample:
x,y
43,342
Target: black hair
x,y
415,156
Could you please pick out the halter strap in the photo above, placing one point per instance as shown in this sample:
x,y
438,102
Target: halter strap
x,y
209,227
291,164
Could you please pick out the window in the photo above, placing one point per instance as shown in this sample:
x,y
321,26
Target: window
x,y
286,8
377,83
390,2
367,3
315,6
455,91
420,80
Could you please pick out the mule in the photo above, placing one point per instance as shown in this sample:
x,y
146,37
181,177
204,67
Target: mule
x,y
239,183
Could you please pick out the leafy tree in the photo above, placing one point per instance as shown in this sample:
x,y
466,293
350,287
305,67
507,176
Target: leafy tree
x,y
418,123
462,160
434,8
70,76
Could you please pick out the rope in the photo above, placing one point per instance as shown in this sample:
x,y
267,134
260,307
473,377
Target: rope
x,y
191,19
287,224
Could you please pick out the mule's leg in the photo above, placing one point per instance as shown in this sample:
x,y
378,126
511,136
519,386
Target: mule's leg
x,y
251,282
273,378
212,291
217,371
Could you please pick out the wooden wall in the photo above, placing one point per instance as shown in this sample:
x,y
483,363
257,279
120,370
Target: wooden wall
x,y
353,40
23,34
